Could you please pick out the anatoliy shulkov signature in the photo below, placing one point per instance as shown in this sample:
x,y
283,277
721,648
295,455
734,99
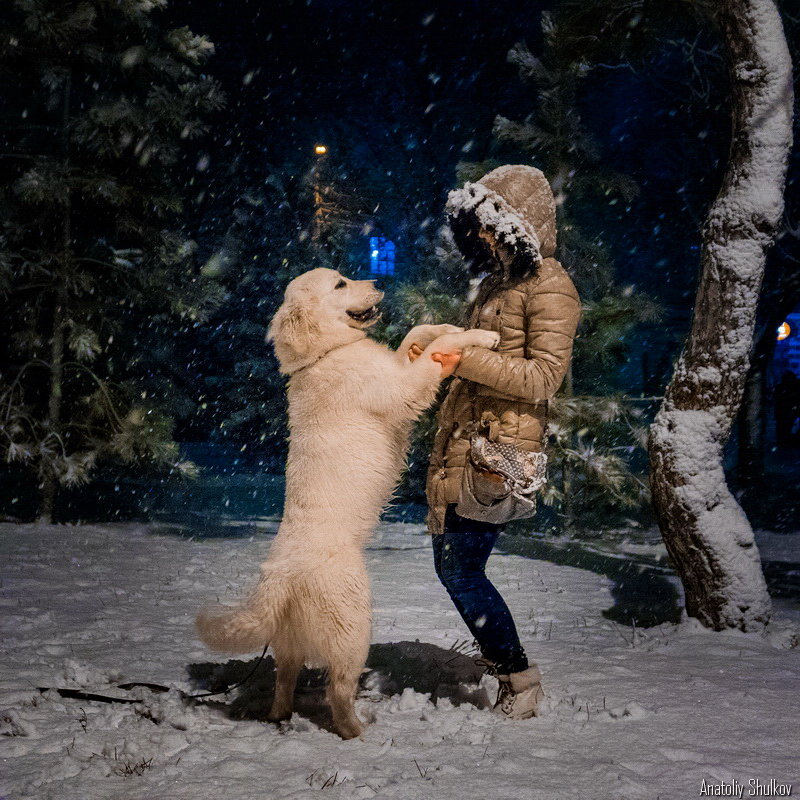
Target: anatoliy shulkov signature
x,y
753,788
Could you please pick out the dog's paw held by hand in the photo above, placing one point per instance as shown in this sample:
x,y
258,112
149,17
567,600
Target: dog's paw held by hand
x,y
487,339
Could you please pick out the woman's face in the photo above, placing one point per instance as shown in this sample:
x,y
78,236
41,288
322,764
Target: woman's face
x,y
483,266
502,255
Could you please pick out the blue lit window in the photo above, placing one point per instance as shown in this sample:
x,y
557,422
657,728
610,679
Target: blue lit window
x,y
381,256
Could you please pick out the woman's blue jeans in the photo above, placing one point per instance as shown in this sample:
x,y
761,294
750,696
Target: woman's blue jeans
x,y
459,557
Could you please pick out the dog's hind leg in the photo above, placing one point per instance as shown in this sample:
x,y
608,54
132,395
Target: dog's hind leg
x,y
339,634
346,657
341,697
288,668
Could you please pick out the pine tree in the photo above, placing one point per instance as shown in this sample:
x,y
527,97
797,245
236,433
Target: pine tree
x,y
596,437
100,101
596,433
264,237
264,240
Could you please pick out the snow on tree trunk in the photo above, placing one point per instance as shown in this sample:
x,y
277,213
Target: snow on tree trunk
x,y
706,533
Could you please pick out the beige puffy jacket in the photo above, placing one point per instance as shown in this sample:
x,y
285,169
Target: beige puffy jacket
x,y
534,306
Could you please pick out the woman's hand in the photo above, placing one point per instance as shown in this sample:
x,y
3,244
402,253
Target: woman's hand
x,y
449,361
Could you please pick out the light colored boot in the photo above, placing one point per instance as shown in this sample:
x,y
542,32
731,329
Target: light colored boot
x,y
519,694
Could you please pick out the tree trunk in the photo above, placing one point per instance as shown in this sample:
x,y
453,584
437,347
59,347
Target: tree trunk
x,y
705,531
49,487
50,479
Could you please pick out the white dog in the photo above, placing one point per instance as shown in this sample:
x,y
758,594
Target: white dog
x,y
352,403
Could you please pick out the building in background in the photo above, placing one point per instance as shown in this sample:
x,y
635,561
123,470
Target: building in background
x,y
382,253
787,348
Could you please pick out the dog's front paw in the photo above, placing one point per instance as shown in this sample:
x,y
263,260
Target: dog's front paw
x,y
487,339
424,334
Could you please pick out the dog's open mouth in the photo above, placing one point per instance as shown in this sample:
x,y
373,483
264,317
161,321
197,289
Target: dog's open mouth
x,y
370,314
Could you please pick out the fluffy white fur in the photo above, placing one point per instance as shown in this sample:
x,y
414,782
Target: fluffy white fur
x,y
352,403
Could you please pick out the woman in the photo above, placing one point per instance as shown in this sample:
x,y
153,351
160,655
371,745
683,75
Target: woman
x,y
505,227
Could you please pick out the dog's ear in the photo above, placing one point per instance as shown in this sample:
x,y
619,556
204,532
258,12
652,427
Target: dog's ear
x,y
293,331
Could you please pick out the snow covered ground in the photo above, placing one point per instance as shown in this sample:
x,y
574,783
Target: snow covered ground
x,y
631,712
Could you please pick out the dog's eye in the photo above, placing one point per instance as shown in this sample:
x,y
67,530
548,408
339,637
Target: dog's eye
x,y
340,285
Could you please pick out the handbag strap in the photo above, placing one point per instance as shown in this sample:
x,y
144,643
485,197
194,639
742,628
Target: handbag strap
x,y
546,427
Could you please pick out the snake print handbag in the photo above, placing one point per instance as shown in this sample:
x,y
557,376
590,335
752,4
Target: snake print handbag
x,y
500,481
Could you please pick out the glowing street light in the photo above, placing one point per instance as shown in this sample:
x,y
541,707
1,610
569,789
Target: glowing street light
x,y
783,331
320,150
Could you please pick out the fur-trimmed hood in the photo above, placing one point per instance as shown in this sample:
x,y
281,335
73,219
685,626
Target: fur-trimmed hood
x,y
514,208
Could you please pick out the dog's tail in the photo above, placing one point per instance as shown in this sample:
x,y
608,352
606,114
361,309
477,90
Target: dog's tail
x,y
244,628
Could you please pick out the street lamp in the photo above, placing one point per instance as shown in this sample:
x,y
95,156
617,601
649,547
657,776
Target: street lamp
x,y
320,150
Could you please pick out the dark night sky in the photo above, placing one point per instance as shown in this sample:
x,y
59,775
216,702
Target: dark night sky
x,y
399,91
313,61
389,81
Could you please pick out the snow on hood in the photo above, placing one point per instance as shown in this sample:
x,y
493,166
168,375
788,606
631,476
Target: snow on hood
x,y
514,205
